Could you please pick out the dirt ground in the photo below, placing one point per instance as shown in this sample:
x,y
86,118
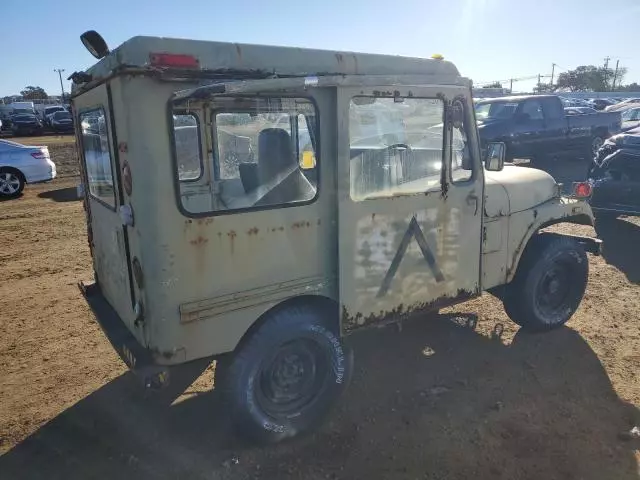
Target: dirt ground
x,y
439,399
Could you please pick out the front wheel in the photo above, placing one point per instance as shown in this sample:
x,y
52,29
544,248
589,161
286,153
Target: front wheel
x,y
283,380
549,283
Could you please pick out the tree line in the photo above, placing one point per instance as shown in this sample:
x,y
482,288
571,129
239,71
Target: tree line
x,y
585,78
29,93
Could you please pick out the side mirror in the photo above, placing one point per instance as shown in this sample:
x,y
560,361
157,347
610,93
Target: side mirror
x,y
494,159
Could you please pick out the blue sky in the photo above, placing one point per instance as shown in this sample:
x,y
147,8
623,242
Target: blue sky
x,y
487,39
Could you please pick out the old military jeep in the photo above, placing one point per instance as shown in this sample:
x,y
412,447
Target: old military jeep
x,y
256,204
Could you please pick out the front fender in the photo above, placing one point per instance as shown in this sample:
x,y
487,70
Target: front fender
x,y
523,225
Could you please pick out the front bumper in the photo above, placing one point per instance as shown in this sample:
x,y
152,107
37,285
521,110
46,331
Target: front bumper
x,y
137,357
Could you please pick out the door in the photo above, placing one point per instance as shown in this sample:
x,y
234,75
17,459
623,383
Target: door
x,y
555,126
108,237
410,201
530,129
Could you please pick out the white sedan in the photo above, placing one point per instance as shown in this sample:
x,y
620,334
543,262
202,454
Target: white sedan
x,y
22,164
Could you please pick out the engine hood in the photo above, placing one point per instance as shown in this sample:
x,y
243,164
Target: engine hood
x,y
515,189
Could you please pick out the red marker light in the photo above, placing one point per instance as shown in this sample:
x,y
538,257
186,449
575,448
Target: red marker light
x,y
173,60
582,189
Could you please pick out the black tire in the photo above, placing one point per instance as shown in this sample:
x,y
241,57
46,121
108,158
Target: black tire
x,y
12,182
282,381
549,283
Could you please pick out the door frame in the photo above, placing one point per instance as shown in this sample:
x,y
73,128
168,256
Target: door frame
x,y
119,200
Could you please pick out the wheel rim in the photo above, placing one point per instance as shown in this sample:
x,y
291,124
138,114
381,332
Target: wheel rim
x,y
596,144
553,292
9,183
292,378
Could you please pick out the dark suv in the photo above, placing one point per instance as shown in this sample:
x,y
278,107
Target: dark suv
x,y
25,124
615,176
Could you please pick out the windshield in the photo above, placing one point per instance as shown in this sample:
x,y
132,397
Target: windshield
x,y
502,109
631,115
61,116
22,117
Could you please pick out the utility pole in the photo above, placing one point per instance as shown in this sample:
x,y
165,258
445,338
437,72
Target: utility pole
x,y
615,76
553,71
60,70
511,86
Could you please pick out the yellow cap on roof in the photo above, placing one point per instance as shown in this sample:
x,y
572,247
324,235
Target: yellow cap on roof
x,y
437,56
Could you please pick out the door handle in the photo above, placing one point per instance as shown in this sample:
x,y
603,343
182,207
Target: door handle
x,y
472,199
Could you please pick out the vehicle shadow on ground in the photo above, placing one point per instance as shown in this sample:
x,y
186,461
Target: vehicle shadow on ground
x,y
436,400
620,241
68,194
8,199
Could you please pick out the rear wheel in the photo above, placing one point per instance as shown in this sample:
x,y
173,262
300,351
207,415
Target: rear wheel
x,y
283,380
549,283
12,182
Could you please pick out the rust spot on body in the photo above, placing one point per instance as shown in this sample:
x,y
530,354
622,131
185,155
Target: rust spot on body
x,y
400,313
200,240
253,231
232,236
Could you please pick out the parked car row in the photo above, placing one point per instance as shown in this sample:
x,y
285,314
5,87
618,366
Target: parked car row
x,y
23,121
606,104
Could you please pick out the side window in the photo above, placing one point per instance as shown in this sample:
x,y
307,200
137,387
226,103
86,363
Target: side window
x,y
97,157
534,109
552,108
461,160
396,146
188,151
256,160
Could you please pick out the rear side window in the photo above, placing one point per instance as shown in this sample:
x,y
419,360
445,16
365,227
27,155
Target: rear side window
x,y
533,108
264,155
97,156
553,108
188,151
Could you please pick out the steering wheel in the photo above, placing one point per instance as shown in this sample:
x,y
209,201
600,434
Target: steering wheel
x,y
396,146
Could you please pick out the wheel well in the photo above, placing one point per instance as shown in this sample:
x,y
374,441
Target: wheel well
x,y
580,219
323,304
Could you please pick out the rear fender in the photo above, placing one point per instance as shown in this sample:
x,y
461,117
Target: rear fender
x,y
523,225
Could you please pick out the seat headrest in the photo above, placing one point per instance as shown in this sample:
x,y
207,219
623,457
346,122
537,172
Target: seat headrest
x,y
274,152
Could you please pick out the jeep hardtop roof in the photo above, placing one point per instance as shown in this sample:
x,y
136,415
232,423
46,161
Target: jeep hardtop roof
x,y
261,61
